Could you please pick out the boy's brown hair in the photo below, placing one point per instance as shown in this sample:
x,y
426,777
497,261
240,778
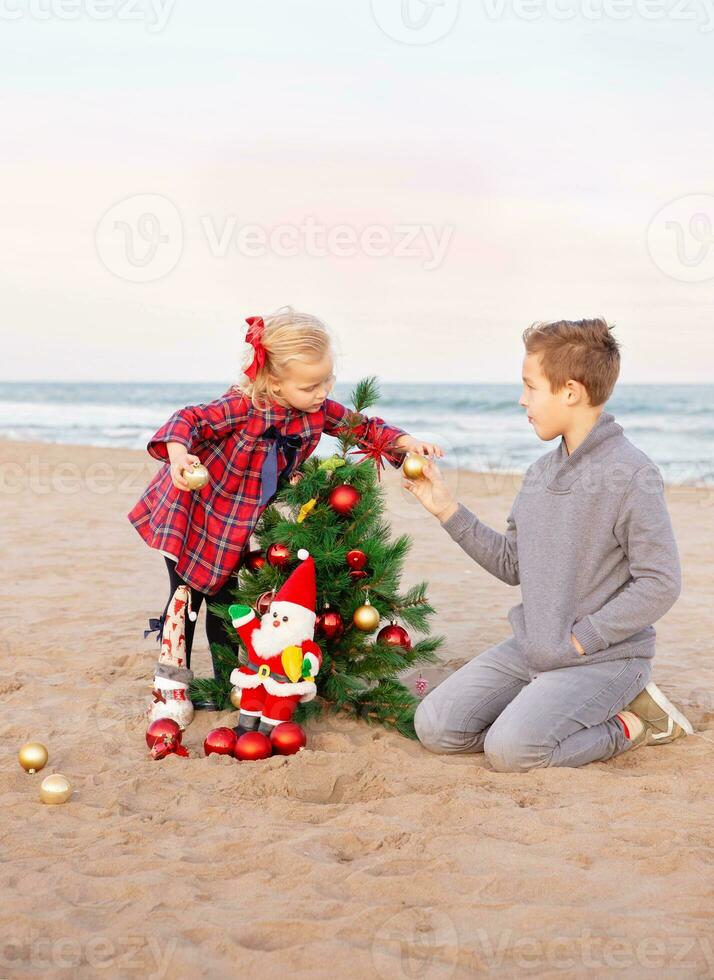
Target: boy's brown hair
x,y
581,350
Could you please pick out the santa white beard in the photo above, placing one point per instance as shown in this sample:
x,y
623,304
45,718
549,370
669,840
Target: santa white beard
x,y
269,640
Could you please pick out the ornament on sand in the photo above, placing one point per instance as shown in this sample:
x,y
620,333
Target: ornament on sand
x,y
170,698
196,476
288,738
32,757
252,746
413,466
55,789
163,737
220,741
366,617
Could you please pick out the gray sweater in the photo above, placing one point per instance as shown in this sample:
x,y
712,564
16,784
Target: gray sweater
x,y
590,542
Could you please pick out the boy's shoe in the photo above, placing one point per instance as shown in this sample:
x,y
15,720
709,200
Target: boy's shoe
x,y
659,720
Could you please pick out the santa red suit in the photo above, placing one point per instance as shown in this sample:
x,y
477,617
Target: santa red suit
x,y
283,658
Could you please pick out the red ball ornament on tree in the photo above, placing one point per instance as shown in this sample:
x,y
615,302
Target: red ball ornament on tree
x,y
220,741
288,738
394,636
356,559
255,560
278,556
330,624
252,746
343,498
356,574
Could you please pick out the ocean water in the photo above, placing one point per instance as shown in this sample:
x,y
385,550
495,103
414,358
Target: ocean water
x,y
480,426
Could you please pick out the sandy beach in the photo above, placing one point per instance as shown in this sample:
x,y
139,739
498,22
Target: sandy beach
x,y
363,856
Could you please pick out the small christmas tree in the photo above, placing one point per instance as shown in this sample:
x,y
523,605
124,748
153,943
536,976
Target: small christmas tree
x,y
336,512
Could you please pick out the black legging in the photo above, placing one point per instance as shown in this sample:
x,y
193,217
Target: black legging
x,y
216,630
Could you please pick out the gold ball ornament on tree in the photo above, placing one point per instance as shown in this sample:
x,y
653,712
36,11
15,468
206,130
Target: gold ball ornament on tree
x,y
32,757
413,466
235,697
55,789
366,617
196,476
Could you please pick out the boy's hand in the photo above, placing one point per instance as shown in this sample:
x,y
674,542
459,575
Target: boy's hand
x,y
412,445
432,492
181,459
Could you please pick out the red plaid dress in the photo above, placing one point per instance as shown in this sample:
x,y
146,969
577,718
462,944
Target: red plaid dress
x,y
208,530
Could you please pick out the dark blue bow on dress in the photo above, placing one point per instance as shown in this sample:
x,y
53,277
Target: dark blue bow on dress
x,y
155,626
269,474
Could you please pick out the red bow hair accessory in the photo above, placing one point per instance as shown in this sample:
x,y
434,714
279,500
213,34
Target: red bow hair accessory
x,y
254,336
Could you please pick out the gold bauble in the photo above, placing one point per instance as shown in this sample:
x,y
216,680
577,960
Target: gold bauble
x,y
32,757
413,466
235,697
366,617
196,476
55,789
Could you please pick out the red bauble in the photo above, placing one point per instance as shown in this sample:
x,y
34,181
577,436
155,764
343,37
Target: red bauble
x,y
288,738
163,737
343,498
164,730
220,741
253,745
394,636
255,560
278,555
356,574
356,558
330,624
263,603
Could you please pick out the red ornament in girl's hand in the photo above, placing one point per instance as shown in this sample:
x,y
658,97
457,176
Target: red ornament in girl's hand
x,y
288,738
253,745
278,555
220,741
343,498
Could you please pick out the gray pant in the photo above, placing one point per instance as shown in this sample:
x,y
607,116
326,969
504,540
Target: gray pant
x,y
525,720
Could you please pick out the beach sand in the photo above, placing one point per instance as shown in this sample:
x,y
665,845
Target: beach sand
x,y
363,856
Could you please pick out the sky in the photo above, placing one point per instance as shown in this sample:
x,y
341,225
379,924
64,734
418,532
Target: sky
x,y
428,178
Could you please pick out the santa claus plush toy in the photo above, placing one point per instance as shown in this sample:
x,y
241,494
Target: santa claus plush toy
x,y
283,658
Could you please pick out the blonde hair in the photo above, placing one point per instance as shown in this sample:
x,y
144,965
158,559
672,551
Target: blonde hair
x,y
581,350
288,336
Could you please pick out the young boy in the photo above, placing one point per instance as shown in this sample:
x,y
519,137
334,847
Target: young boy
x,y
590,542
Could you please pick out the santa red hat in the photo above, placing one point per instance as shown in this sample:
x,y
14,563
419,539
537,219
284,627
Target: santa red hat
x,y
299,588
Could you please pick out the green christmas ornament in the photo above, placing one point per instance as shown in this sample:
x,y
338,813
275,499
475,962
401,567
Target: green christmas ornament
x,y
331,464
